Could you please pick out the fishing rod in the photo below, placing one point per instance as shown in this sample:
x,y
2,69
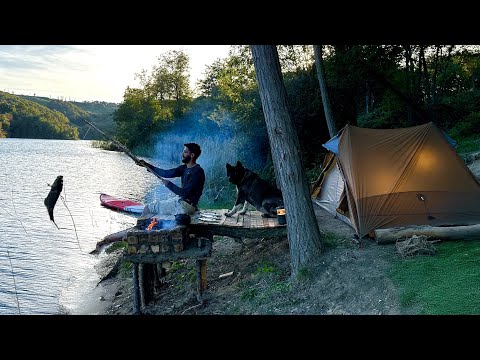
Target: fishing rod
x,y
120,146
117,143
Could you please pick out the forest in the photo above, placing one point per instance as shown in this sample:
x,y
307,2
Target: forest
x,y
35,117
374,86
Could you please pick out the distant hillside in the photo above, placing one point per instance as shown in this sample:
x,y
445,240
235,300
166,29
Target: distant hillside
x,y
97,112
22,118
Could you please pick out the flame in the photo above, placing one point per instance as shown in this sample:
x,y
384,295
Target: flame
x,y
280,211
152,224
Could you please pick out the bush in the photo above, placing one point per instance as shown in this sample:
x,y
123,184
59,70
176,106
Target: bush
x,y
468,125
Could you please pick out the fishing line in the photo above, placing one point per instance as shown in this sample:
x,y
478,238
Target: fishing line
x,y
14,218
74,227
16,215
216,197
84,136
14,283
10,260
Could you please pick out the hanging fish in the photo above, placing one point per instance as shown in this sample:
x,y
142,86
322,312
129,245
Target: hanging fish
x,y
53,195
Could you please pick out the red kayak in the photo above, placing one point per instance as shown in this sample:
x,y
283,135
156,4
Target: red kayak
x,y
121,204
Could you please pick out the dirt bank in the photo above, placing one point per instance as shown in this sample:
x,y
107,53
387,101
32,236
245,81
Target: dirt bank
x,y
348,279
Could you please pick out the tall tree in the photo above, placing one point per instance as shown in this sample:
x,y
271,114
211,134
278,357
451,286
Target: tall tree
x,y
303,233
323,90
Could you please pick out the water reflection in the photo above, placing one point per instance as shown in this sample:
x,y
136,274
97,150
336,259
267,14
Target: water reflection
x,y
53,271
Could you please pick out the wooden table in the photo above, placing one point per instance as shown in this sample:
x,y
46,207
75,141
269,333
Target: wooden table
x,y
194,241
146,248
250,225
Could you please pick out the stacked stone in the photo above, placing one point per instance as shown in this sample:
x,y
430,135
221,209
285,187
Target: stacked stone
x,y
157,241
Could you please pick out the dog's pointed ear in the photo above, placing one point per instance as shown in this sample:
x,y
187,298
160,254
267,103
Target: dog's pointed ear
x,y
239,165
229,166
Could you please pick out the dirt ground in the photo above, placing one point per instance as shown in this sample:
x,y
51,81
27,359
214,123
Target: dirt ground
x,y
349,278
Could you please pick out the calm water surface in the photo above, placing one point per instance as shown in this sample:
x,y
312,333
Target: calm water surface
x,y
45,270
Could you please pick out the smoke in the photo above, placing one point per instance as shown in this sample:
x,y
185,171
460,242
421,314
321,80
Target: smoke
x,y
221,141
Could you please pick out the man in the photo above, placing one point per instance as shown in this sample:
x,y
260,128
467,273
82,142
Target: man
x,y
193,180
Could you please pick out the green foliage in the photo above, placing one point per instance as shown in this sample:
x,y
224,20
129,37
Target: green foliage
x,y
331,240
267,267
115,246
306,111
249,294
139,117
189,274
169,79
165,96
176,266
99,113
5,120
445,284
467,145
267,282
126,269
315,169
22,118
105,145
304,274
380,118
470,125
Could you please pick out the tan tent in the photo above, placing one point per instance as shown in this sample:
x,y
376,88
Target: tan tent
x,y
384,178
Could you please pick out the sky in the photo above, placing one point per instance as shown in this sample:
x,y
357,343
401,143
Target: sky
x,y
90,72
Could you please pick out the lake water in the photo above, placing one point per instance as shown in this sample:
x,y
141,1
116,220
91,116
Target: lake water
x,y
45,270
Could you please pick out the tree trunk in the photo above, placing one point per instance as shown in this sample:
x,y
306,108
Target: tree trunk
x,y
302,228
367,97
435,74
426,79
408,81
323,90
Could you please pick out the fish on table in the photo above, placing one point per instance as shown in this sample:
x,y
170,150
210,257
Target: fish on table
x,y
205,214
53,196
208,219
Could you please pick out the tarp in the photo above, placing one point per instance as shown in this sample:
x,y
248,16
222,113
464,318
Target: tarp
x,y
332,145
399,177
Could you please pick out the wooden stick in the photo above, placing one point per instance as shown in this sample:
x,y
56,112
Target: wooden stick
x,y
225,275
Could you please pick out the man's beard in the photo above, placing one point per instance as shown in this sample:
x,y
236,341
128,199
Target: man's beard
x,y
186,160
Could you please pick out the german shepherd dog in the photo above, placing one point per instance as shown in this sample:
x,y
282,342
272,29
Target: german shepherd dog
x,y
254,190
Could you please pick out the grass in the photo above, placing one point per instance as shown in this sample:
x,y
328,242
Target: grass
x,y
126,269
332,240
445,284
105,145
449,282
116,245
468,145
267,284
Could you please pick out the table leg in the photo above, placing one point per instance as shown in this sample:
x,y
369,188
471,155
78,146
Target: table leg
x,y
136,291
201,278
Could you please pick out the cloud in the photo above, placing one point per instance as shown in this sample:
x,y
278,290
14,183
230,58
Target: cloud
x,y
89,72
